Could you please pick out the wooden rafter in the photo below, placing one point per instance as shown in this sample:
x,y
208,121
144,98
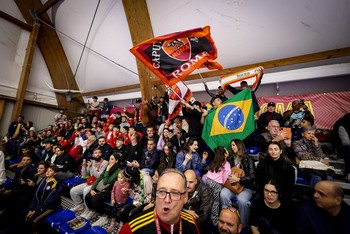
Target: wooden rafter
x,y
16,21
50,3
54,56
27,64
136,12
324,55
343,52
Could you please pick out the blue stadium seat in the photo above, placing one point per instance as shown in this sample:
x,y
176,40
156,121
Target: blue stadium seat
x,y
8,180
56,219
13,160
71,182
301,181
252,150
94,230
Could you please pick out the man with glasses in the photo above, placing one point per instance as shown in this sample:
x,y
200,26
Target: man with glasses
x,y
167,217
229,221
274,134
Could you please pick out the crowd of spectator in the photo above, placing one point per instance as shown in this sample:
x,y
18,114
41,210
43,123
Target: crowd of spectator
x,y
123,154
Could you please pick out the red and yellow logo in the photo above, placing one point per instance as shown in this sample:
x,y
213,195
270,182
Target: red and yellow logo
x,y
179,48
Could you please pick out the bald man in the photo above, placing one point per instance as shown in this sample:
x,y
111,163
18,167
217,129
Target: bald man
x,y
199,200
327,213
229,221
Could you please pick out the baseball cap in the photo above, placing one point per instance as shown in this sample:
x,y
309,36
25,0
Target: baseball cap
x,y
271,104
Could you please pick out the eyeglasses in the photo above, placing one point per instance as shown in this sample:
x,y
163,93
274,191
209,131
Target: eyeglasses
x,y
273,193
174,196
233,210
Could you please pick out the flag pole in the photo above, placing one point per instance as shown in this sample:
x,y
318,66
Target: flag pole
x,y
201,77
174,92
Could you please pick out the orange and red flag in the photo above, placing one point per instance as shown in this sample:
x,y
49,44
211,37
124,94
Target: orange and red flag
x,y
178,91
174,56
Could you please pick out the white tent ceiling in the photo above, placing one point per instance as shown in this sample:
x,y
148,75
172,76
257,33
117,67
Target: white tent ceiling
x,y
245,32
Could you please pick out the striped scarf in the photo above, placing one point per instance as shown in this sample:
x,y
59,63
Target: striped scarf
x,y
142,189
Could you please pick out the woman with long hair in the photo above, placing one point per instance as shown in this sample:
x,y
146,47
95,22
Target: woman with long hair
x,y
188,158
275,167
240,159
164,137
219,170
269,213
167,157
101,191
140,192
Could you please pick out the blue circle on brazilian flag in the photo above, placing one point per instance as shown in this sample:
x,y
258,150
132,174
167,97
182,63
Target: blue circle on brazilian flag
x,y
231,117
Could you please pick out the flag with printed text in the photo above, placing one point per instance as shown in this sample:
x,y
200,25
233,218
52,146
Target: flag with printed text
x,y
174,56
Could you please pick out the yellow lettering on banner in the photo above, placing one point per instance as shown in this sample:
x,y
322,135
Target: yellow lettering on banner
x,y
280,107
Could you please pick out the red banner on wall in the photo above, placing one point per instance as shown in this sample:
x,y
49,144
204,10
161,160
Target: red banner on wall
x,y
326,107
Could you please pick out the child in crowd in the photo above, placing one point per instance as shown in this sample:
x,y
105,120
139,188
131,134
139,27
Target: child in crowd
x,y
125,131
109,136
120,194
219,171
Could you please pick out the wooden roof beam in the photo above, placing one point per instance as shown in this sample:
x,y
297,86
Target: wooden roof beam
x,y
105,91
343,52
50,3
27,64
324,55
136,12
16,21
54,57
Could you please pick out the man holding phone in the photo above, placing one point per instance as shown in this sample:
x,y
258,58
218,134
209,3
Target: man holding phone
x,y
276,134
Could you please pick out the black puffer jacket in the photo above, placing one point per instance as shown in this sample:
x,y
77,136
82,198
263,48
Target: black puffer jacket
x,y
200,201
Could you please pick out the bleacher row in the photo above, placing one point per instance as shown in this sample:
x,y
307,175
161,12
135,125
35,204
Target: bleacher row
x,y
58,220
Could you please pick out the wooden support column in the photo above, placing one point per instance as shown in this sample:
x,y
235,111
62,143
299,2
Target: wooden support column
x,y
2,107
27,64
140,27
54,56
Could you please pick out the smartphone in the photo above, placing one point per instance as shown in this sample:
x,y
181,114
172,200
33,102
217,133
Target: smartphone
x,y
288,131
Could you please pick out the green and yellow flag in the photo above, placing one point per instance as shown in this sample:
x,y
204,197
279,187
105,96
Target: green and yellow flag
x,y
233,119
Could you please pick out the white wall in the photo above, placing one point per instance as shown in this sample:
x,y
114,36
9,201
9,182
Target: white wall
x,y
40,116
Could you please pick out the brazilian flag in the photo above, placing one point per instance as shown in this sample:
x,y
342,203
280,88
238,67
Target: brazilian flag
x,y
233,119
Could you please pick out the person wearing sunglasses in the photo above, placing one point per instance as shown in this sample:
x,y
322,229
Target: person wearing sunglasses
x,y
167,216
269,214
229,221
